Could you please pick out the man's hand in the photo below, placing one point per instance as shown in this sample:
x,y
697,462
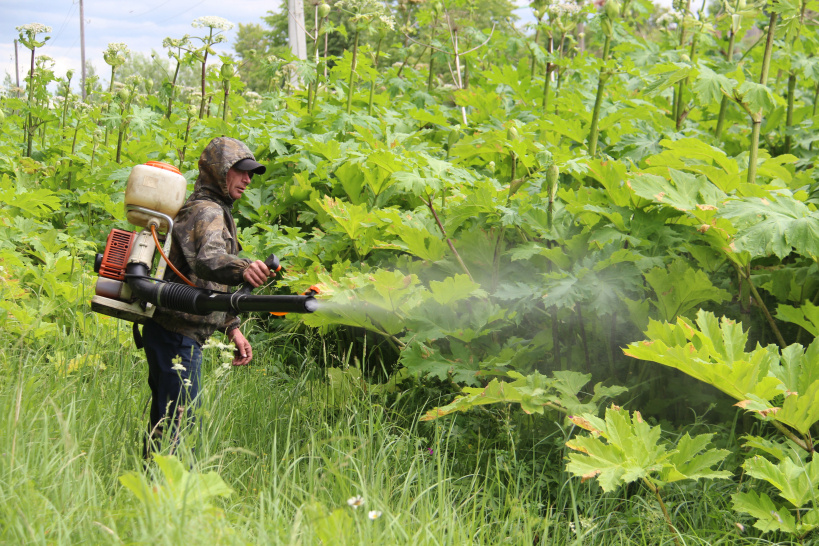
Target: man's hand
x,y
243,352
257,273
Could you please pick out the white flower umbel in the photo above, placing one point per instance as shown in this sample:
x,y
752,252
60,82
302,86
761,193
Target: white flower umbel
x,y
186,383
211,21
178,367
33,28
355,502
563,9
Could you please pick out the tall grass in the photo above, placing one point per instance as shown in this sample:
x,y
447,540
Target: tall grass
x,y
294,447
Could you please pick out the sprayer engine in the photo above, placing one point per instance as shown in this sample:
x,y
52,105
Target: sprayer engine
x,y
127,288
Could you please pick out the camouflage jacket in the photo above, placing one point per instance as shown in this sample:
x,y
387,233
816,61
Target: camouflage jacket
x,y
204,243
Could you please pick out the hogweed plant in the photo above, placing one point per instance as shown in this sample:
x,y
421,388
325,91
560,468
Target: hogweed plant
x,y
216,27
178,50
115,56
365,15
28,37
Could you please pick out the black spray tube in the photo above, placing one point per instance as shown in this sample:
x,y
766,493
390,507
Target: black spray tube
x,y
198,301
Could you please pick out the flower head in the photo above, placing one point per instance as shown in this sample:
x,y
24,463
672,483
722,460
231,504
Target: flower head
x,y
563,9
211,21
374,514
367,10
115,54
355,502
33,28
186,383
29,32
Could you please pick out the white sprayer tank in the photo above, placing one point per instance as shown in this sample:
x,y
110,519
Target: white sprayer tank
x,y
156,186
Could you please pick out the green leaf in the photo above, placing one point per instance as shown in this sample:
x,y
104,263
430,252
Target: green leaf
x,y
680,288
453,289
710,86
756,96
769,516
691,460
806,316
713,353
778,225
797,483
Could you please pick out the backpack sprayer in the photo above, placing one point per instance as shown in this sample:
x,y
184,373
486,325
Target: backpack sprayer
x,y
125,288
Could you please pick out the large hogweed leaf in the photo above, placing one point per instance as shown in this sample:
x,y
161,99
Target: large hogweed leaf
x,y
623,448
536,393
806,316
713,351
776,225
679,288
795,481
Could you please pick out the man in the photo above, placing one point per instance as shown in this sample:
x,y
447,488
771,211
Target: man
x,y
204,250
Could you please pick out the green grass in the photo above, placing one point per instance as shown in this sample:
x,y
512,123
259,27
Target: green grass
x,y
294,447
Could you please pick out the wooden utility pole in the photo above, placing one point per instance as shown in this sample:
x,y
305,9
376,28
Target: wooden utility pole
x,y
16,69
82,48
296,32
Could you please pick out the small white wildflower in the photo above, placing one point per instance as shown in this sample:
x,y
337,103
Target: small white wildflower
x,y
211,21
33,28
178,367
186,383
374,514
355,502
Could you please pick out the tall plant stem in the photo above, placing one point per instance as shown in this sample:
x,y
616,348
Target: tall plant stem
x,y
692,54
173,88
729,56
793,437
759,301
312,89
583,338
789,116
73,151
428,203
676,99
204,67
352,74
792,84
431,76
29,117
766,58
225,102
537,36
547,77
372,83
654,489
601,87
108,106
756,117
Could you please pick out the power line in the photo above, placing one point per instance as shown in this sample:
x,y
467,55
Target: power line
x,y
62,26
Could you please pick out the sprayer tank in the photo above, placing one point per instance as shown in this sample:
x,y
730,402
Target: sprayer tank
x,y
156,186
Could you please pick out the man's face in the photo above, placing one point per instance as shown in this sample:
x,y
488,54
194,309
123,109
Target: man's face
x,y
237,181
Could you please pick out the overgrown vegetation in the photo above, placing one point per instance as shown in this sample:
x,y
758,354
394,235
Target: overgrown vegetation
x,y
510,231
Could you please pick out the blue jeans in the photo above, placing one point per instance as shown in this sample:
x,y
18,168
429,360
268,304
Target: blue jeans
x,y
172,399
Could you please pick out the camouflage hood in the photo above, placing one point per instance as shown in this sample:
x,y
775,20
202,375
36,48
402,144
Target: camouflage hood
x,y
217,158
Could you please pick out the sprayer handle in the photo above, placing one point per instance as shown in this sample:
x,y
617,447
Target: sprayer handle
x,y
272,263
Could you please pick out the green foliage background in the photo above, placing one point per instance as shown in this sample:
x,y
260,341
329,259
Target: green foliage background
x,y
466,234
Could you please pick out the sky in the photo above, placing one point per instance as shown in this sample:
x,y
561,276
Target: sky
x,y
142,25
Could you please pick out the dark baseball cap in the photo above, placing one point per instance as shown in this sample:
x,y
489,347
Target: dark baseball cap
x,y
250,165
